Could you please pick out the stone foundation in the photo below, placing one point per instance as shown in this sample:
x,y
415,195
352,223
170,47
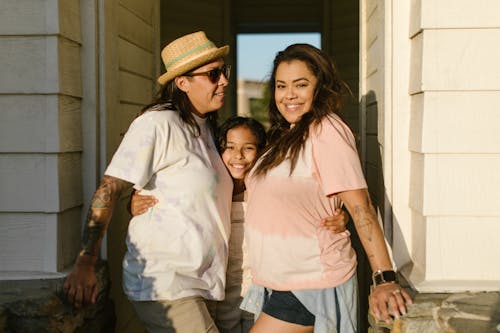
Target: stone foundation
x,y
446,313
37,305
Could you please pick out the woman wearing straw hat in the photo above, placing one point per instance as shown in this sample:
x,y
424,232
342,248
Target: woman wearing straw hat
x,y
176,253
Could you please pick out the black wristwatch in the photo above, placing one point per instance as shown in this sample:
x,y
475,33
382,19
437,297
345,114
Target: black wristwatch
x,y
380,277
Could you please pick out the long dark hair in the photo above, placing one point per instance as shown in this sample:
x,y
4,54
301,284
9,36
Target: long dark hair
x,y
171,98
285,142
237,121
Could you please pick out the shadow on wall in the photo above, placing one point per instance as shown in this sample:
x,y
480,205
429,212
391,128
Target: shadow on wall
x,y
370,147
373,169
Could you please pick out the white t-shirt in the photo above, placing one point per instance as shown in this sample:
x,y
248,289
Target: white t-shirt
x,y
179,247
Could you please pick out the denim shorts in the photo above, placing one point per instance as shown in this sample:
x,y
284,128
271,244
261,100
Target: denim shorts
x,y
285,306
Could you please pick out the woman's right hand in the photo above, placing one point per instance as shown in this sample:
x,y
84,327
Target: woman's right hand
x,y
139,204
80,287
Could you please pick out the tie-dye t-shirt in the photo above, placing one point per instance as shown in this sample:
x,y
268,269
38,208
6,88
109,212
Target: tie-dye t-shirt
x,y
179,247
288,249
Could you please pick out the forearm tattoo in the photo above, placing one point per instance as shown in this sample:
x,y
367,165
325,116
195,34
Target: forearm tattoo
x,y
100,212
364,218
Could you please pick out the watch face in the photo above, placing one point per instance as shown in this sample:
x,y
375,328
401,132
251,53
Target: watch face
x,y
383,277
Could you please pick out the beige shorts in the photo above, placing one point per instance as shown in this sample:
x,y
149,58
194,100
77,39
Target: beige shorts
x,y
185,315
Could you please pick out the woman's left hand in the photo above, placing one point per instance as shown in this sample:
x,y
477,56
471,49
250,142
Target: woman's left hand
x,y
389,299
336,223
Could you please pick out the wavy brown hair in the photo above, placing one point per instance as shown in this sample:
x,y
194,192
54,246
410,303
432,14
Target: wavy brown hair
x,y
285,142
175,100
257,129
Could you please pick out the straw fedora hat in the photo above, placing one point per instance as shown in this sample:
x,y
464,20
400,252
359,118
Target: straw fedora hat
x,y
187,53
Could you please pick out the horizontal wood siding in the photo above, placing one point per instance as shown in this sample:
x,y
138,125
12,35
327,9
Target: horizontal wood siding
x,y
275,16
29,241
454,141
40,133
136,60
132,66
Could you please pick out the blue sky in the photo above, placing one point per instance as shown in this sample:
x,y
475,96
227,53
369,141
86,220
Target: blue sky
x,y
256,51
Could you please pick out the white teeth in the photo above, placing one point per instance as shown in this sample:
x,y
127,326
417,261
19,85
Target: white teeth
x,y
238,166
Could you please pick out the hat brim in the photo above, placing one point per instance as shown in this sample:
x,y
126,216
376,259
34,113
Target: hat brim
x,y
193,63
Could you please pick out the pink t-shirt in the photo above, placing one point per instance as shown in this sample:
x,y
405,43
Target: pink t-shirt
x,y
288,249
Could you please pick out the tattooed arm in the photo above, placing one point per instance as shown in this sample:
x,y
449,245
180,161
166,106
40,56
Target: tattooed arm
x,y
386,297
80,286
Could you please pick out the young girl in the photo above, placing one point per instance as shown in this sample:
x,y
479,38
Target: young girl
x,y
241,140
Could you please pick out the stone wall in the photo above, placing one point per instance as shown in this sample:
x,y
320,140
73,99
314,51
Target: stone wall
x,y
31,306
447,313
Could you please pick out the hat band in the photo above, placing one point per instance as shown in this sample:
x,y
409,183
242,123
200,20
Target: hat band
x,y
190,52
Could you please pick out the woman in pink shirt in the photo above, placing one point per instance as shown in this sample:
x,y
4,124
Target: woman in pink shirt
x,y
310,168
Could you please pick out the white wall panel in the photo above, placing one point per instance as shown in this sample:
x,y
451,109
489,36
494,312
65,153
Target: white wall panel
x,y
456,184
39,123
28,17
38,235
463,247
430,14
457,59
29,123
39,55
416,64
39,182
455,122
48,241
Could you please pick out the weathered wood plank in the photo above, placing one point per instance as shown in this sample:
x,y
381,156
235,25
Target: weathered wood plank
x,y
68,236
135,59
135,30
70,124
70,20
135,89
69,180
121,122
70,71
142,8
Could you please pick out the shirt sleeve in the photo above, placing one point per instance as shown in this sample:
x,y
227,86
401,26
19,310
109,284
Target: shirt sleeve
x,y
335,160
136,158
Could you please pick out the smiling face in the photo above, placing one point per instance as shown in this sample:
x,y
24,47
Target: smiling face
x,y
240,151
203,94
294,92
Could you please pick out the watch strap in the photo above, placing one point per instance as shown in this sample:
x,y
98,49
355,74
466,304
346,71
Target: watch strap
x,y
380,277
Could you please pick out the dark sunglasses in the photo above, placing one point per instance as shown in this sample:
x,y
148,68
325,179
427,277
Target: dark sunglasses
x,y
214,74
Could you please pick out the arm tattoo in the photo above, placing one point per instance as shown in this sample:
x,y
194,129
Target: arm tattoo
x,y
364,217
100,212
